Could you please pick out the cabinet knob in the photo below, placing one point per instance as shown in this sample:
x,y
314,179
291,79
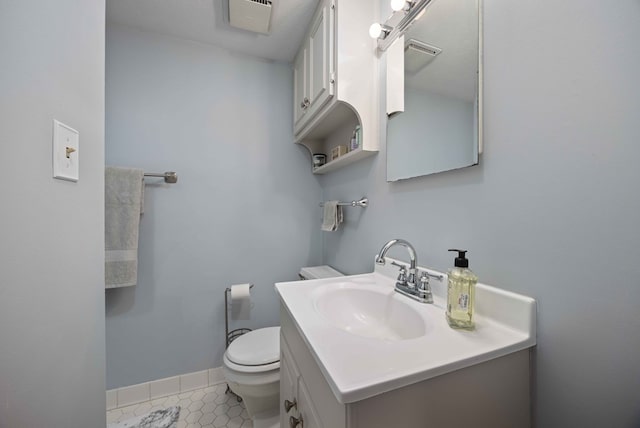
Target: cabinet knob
x,y
302,105
288,405
306,102
296,422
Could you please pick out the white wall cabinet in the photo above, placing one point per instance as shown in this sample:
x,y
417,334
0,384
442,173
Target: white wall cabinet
x,y
494,394
335,75
313,67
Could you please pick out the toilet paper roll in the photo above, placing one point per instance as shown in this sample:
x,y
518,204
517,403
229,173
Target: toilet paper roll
x,y
241,301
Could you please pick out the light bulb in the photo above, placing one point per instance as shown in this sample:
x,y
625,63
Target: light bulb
x,y
397,5
379,31
375,30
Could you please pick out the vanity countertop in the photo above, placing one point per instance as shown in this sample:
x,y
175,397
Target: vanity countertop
x,y
358,366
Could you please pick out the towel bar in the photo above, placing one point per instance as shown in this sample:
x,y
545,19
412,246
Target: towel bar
x,y
169,176
363,202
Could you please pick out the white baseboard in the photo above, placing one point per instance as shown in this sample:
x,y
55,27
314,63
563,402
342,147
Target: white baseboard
x,y
146,391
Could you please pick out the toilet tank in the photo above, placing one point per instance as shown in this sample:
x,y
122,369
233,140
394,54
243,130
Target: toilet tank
x,y
318,272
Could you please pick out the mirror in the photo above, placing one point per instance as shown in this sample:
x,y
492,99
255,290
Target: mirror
x,y
440,128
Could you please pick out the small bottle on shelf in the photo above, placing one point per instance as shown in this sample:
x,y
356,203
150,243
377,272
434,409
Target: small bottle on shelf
x,y
355,138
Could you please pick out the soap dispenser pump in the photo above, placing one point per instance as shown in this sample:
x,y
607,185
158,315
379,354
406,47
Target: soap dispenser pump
x,y
461,290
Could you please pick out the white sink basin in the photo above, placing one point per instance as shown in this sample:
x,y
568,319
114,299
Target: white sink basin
x,y
368,339
368,312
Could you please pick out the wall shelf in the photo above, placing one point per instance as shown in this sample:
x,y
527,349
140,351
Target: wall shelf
x,y
344,160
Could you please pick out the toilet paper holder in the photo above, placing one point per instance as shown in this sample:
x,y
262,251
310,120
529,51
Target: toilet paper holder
x,y
232,335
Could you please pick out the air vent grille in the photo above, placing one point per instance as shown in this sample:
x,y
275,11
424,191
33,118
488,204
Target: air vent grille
x,y
417,55
422,47
251,15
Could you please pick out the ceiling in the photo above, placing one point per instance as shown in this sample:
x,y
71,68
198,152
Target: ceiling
x,y
207,21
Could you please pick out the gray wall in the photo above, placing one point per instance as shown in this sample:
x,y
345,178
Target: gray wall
x,y
552,210
51,231
243,210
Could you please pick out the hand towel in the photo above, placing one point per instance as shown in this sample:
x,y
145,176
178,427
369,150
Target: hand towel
x,y
332,216
123,207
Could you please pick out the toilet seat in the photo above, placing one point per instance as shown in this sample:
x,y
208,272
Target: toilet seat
x,y
256,351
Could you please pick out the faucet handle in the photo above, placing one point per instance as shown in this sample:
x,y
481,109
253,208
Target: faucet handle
x,y
402,275
424,280
402,267
424,288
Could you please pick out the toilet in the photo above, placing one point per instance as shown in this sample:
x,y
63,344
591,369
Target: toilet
x,y
251,365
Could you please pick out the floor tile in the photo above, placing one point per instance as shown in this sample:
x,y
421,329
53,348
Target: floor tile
x,y
206,407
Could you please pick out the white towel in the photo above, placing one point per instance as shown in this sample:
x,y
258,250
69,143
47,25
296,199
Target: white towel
x,y
123,206
332,216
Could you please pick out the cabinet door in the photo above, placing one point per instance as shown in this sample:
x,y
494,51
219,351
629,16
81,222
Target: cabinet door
x,y
313,67
320,58
308,413
317,405
289,375
300,86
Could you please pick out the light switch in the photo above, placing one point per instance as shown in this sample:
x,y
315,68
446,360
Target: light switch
x,y
66,145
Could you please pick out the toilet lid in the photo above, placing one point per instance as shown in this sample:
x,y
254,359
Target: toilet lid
x,y
256,348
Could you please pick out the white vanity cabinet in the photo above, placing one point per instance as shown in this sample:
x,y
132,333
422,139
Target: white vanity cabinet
x,y
492,394
335,88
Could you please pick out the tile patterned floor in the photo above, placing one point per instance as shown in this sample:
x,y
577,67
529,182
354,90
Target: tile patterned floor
x,y
202,408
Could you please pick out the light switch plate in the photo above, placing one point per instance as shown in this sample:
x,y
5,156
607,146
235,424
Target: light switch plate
x,y
66,147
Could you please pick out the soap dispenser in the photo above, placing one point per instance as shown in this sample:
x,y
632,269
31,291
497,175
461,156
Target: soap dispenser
x,y
461,290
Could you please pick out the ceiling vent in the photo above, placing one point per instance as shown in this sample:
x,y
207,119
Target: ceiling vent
x,y
251,15
417,55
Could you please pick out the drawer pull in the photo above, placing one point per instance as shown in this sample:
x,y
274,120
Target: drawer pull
x,y
288,405
295,422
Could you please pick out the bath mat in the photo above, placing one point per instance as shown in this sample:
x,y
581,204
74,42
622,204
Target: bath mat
x,y
166,418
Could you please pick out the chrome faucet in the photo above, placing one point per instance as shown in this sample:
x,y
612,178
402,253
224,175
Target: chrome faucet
x,y
413,259
411,286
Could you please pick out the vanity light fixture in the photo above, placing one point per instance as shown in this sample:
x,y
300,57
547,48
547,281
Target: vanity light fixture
x,y
379,31
398,5
386,35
